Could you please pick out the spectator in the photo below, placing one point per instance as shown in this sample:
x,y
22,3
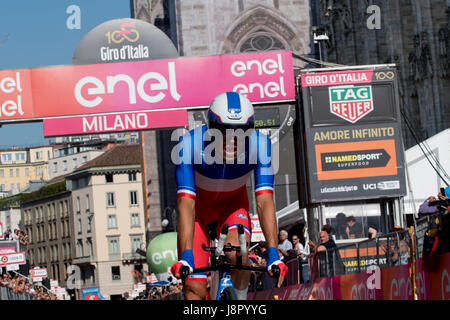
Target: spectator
x,y
341,226
23,240
15,235
284,245
327,245
327,228
303,254
372,232
354,229
425,209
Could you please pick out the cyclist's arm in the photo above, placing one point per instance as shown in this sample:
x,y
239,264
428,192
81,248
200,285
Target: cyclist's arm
x,y
186,192
186,218
267,219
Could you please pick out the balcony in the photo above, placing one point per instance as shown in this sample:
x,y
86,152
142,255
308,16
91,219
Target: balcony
x,y
132,258
82,260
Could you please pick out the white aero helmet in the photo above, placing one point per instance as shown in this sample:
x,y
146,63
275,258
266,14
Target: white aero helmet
x,y
231,110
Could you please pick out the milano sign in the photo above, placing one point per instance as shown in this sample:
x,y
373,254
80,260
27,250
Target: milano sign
x,y
166,84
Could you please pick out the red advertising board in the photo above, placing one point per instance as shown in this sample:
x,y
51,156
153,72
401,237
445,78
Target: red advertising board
x,y
143,85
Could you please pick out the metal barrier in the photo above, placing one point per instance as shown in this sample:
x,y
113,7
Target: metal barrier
x,y
294,269
383,251
438,221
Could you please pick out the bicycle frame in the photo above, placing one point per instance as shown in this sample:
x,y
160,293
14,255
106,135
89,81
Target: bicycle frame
x,y
221,272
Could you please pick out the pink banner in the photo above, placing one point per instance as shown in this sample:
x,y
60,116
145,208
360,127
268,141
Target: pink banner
x,y
362,286
15,94
397,284
434,285
144,85
336,78
131,121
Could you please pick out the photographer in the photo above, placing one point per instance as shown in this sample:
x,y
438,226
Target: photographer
x,y
442,203
426,208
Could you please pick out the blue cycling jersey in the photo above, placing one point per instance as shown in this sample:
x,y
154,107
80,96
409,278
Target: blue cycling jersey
x,y
200,174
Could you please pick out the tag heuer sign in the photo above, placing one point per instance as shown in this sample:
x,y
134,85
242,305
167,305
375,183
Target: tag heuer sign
x,y
351,103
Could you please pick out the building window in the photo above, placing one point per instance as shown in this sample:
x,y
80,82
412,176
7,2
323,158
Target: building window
x,y
109,178
38,155
65,165
115,273
20,156
133,198
135,243
88,206
56,253
75,163
55,167
80,248
132,176
17,172
112,221
110,199
2,173
79,226
85,159
18,187
66,208
90,246
27,172
113,247
78,204
11,172
6,157
135,222
89,224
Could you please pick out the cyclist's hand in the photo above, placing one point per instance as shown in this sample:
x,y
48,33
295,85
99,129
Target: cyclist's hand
x,y
187,261
274,263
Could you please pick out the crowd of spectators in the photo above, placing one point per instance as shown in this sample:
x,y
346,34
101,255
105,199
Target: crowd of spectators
x,y
17,235
17,287
171,292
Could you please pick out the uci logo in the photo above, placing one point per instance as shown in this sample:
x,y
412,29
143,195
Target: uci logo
x,y
371,186
384,75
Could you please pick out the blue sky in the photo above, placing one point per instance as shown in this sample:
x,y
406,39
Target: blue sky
x,y
37,36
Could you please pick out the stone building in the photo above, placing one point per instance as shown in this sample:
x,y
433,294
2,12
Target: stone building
x,y
47,220
413,34
108,220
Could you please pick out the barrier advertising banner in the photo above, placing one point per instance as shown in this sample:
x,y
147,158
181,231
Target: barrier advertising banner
x,y
353,134
91,294
12,258
434,285
63,91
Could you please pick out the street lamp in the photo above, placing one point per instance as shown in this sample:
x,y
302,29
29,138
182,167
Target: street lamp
x,y
319,39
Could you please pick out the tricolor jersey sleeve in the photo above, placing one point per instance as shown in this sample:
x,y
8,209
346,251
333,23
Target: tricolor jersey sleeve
x,y
263,170
184,171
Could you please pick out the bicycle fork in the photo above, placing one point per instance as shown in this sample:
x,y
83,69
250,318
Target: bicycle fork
x,y
220,280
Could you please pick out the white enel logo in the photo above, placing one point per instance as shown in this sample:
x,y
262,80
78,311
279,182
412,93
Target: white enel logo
x,y
157,257
159,83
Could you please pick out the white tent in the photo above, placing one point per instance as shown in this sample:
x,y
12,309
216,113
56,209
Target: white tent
x,y
290,215
422,180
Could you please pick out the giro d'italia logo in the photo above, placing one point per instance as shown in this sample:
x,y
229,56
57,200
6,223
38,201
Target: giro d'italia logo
x,y
351,103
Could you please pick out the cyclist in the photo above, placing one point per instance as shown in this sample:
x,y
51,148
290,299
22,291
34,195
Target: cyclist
x,y
211,175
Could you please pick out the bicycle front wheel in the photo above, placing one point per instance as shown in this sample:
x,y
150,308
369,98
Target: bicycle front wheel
x,y
228,294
